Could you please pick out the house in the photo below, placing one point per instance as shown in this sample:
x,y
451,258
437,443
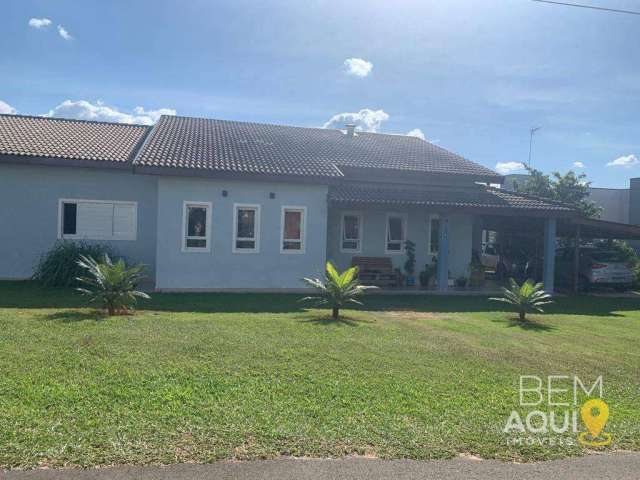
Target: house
x,y
214,204
619,204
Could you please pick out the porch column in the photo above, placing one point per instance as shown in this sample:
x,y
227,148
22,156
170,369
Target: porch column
x,y
549,259
576,260
443,254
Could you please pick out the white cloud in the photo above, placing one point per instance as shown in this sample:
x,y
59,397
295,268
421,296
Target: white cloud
x,y
505,168
366,119
6,108
83,110
416,132
624,161
39,22
358,67
578,164
63,33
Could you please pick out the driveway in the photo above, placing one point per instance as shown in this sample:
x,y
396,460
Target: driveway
x,y
619,466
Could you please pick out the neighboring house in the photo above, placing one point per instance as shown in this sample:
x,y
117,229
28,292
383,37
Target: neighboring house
x,y
614,203
619,204
212,204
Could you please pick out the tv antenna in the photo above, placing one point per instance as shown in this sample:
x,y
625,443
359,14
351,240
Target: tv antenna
x,y
531,132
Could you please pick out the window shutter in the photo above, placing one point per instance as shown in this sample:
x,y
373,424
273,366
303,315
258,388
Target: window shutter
x,y
95,220
124,221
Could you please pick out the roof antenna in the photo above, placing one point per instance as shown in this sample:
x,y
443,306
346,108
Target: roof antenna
x,y
531,132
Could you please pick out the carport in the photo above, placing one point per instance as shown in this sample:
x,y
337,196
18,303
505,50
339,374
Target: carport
x,y
541,235
580,229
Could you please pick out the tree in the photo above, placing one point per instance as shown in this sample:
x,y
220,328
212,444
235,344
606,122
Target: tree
x,y
338,289
569,188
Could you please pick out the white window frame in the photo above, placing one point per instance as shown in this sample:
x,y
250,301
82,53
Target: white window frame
x,y
247,206
405,219
303,229
351,213
209,208
61,235
430,218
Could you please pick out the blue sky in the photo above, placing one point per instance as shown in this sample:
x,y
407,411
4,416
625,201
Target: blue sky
x,y
471,75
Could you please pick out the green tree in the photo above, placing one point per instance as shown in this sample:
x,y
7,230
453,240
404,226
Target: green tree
x,y
569,188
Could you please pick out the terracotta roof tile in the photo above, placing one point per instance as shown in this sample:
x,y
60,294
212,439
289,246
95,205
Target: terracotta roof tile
x,y
69,139
483,197
184,142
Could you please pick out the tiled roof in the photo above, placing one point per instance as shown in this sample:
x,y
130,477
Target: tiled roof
x,y
206,144
68,139
483,197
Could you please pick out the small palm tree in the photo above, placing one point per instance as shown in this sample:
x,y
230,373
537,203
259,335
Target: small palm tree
x,y
526,297
114,285
338,289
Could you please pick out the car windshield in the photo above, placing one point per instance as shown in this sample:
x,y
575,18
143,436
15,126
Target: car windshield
x,y
607,257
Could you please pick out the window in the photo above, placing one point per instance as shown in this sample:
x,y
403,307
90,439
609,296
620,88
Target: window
x,y
196,227
246,228
434,234
396,233
293,229
97,220
351,232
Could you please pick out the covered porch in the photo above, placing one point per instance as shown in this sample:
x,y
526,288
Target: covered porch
x,y
447,228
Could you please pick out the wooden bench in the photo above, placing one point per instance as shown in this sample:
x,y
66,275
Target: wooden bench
x,y
376,271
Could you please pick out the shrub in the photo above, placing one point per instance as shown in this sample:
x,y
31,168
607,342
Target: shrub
x,y
113,285
59,266
526,297
338,289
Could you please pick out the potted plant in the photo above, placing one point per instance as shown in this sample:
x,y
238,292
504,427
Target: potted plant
x,y
476,270
460,282
410,263
424,276
428,275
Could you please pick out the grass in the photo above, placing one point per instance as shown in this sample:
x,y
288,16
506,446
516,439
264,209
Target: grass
x,y
203,377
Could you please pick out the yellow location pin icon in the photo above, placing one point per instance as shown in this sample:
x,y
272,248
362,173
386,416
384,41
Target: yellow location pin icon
x,y
595,422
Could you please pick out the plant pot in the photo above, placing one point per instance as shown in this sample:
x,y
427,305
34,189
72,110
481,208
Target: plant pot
x,y
461,283
476,279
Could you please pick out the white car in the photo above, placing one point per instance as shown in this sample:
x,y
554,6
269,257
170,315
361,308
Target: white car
x,y
605,268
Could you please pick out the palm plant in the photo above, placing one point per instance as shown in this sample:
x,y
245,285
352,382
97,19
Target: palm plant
x,y
526,297
337,289
114,285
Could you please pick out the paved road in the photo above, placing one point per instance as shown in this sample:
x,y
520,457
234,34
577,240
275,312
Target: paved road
x,y
620,466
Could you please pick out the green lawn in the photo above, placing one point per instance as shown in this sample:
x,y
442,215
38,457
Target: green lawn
x,y
201,377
